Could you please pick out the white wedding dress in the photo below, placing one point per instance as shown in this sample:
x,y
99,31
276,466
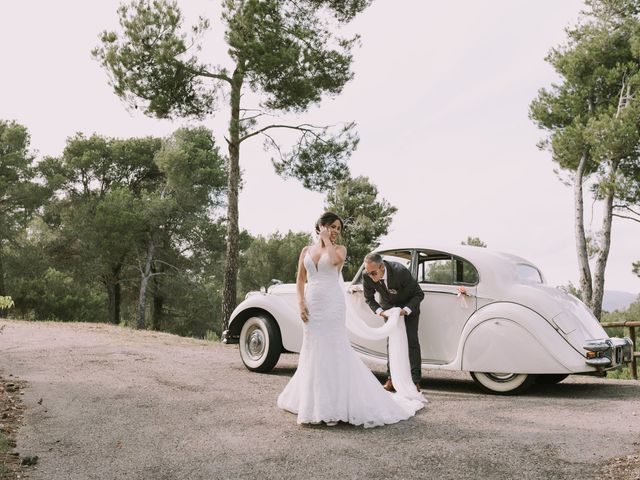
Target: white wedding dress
x,y
331,383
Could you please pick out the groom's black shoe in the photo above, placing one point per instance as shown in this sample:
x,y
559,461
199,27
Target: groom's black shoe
x,y
418,386
388,386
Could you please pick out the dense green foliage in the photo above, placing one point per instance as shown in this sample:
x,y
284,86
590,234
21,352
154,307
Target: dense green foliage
x,y
272,258
367,218
474,242
131,233
286,56
630,314
591,118
20,196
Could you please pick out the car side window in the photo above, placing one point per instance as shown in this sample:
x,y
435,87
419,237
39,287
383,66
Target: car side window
x,y
436,271
445,269
465,272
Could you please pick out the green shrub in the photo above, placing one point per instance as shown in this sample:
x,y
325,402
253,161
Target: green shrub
x,y
211,336
623,373
6,303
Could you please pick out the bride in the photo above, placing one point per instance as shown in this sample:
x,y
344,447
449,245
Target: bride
x,y
331,383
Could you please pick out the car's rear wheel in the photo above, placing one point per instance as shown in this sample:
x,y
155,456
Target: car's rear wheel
x,y
550,378
260,343
503,383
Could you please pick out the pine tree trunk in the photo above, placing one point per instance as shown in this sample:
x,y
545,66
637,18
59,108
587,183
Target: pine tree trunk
x,y
581,240
607,220
603,253
156,305
3,311
233,232
3,290
118,302
112,284
111,301
144,283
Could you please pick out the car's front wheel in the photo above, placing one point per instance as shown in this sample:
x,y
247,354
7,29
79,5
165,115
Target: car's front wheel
x,y
260,343
503,383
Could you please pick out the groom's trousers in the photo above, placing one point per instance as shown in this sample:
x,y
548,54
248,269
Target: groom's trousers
x,y
415,358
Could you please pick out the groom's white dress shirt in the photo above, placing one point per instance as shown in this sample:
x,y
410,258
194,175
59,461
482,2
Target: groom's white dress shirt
x,y
384,279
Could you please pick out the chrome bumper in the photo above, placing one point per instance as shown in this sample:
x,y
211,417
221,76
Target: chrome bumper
x,y
609,352
227,338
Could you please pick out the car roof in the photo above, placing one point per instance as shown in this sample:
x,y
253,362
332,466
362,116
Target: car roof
x,y
484,259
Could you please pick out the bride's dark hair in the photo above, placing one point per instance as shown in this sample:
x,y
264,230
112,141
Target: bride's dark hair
x,y
327,218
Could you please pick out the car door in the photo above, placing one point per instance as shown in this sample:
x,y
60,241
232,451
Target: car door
x,y
356,305
444,309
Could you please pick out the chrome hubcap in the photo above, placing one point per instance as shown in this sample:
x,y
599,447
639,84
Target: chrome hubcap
x,y
502,377
255,343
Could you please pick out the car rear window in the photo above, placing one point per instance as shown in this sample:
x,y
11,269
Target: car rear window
x,y
528,273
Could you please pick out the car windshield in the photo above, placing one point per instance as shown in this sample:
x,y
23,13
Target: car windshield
x,y
528,273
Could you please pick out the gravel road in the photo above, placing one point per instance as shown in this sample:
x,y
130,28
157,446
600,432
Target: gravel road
x,y
105,402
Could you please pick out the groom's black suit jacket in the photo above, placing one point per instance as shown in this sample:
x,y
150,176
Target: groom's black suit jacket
x,y
403,290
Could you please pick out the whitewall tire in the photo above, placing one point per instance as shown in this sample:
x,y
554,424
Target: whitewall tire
x,y
260,343
503,383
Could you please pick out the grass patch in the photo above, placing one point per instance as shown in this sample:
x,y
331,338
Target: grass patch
x,y
623,373
4,443
4,448
211,336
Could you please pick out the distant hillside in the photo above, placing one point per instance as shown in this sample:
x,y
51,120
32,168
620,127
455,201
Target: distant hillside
x,y
614,300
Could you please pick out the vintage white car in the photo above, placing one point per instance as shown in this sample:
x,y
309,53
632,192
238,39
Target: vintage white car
x,y
484,312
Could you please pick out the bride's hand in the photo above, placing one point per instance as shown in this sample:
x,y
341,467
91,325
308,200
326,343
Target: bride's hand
x,y
325,236
304,312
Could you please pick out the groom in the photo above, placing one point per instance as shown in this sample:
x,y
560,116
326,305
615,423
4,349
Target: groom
x,y
397,288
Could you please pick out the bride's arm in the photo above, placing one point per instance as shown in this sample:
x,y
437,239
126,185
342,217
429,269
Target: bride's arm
x,y
301,279
337,253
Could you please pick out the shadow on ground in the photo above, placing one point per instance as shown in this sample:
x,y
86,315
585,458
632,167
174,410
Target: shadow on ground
x,y
567,389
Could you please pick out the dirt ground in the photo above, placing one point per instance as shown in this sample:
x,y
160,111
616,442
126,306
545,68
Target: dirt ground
x,y
11,410
101,402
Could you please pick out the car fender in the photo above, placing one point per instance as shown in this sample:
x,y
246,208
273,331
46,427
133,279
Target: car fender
x,y
286,317
509,337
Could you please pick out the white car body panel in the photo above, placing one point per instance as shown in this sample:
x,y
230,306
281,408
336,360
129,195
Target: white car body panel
x,y
279,307
508,321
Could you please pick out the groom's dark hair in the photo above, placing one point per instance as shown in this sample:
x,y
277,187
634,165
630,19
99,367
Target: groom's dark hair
x,y
327,218
373,258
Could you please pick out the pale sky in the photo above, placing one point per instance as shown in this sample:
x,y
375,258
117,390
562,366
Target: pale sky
x,y
440,96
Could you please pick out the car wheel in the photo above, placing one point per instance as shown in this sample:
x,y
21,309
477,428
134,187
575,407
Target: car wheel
x,y
503,383
260,343
551,378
